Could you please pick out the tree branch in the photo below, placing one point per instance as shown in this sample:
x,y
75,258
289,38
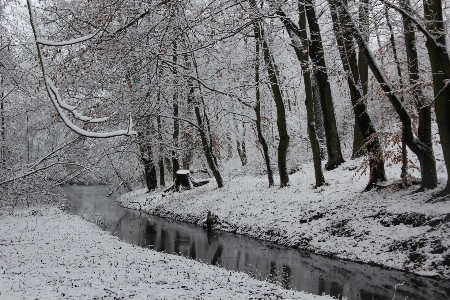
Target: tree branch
x,y
53,94
441,51
38,170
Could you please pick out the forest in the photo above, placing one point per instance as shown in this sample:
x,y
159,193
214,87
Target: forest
x,y
196,84
125,93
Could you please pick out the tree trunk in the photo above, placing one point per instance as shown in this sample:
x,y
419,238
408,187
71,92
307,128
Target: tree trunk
x,y
433,14
2,122
240,145
182,180
176,122
303,57
422,105
145,148
349,62
404,169
279,103
212,163
168,163
263,142
261,138
358,138
162,180
421,149
299,39
318,118
204,129
329,119
150,173
242,152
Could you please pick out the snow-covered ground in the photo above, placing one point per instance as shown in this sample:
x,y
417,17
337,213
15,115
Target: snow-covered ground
x,y
388,227
46,253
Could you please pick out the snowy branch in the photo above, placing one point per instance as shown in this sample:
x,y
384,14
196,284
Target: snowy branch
x,y
60,105
53,152
232,95
72,109
66,43
181,119
38,170
441,51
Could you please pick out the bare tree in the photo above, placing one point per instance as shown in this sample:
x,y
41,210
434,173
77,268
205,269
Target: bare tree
x,y
277,97
421,149
302,50
350,64
316,52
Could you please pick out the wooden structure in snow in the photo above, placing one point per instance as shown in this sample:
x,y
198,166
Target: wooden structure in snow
x,y
185,181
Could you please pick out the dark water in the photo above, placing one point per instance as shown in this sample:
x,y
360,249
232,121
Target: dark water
x,y
290,268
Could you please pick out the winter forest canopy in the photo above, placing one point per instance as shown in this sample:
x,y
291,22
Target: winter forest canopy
x,y
227,86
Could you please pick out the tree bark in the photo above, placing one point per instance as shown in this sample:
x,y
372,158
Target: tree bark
x,y
150,173
318,118
440,69
162,180
299,39
429,179
316,53
240,145
182,180
145,148
204,129
242,152
303,57
358,138
2,122
263,142
349,62
176,122
261,138
279,103
211,160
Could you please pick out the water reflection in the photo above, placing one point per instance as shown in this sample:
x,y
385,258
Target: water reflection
x,y
288,267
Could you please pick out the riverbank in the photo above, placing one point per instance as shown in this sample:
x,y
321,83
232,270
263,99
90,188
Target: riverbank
x,y
46,253
390,227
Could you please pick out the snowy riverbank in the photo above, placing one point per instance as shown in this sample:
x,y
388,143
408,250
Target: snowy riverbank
x,y
46,253
389,227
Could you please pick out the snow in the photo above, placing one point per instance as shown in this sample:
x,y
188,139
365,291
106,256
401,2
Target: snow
x,y
183,172
46,253
387,227
59,104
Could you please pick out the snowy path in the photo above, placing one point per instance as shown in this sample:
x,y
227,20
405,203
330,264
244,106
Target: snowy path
x,y
48,254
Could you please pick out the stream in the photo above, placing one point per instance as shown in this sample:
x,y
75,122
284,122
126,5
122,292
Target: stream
x,y
291,268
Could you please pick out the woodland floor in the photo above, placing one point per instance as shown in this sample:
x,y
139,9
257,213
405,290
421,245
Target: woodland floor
x,y
390,227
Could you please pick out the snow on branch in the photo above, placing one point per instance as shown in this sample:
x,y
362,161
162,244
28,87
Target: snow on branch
x,y
54,96
66,43
72,109
59,104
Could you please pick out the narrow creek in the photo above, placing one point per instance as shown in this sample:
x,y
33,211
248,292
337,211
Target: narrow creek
x,y
290,268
